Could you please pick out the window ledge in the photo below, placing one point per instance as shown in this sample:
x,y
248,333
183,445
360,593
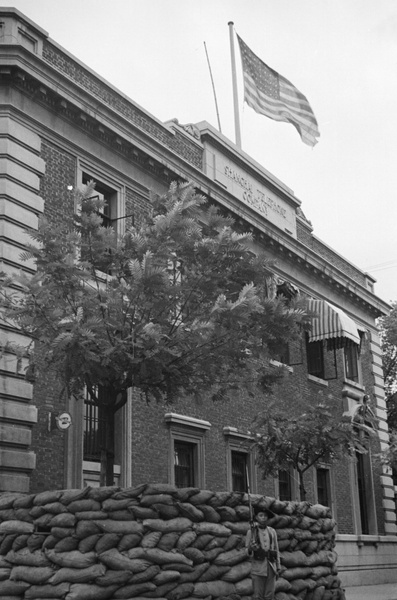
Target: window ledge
x,y
176,419
354,384
277,363
234,432
317,380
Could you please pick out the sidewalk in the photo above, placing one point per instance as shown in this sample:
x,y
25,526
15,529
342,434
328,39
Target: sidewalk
x,y
386,591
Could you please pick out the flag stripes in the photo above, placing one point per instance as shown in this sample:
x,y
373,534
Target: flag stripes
x,y
270,94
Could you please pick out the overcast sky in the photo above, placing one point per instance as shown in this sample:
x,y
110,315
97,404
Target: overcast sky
x,y
341,54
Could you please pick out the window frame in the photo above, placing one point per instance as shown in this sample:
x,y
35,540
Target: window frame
x,y
310,358
86,173
191,431
237,442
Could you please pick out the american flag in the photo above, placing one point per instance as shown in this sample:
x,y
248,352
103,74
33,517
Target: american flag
x,y
270,94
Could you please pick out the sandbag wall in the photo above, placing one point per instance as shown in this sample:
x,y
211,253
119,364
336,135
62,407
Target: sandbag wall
x,y
156,541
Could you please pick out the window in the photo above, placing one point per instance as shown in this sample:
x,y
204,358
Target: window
x,y
315,358
284,485
185,464
239,471
109,213
351,362
93,431
323,487
240,462
187,450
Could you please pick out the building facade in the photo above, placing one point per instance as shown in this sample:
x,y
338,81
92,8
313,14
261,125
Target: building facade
x,y
62,125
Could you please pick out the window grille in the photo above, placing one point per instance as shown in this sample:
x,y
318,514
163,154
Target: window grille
x,y
239,471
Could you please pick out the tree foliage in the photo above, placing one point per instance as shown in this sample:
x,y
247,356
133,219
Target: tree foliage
x,y
303,434
388,336
177,306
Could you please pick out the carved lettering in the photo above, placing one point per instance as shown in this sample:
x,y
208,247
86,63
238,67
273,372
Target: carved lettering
x,y
257,199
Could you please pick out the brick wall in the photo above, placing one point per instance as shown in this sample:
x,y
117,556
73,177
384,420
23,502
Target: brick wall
x,y
49,445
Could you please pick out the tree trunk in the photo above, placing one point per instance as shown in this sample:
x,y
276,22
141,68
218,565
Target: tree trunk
x,y
302,490
107,398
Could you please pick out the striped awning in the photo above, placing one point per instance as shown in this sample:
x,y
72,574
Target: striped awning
x,y
331,323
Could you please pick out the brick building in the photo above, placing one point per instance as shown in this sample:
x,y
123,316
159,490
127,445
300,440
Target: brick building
x,y
61,125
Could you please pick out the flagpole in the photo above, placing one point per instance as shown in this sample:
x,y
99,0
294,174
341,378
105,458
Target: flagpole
x,y
234,81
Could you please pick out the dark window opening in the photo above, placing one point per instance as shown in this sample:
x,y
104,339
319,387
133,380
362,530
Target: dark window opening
x,y
185,458
239,471
315,359
351,362
284,485
323,495
93,431
362,493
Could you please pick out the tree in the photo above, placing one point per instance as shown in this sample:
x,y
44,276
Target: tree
x,y
304,434
388,336
178,306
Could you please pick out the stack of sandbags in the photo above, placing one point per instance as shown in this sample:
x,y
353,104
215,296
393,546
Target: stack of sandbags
x,y
156,541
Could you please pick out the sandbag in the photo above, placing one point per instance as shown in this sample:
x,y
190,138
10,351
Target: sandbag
x,y
166,511
46,497
113,559
238,572
30,559
160,557
102,493
165,576
212,529
233,557
88,544
83,505
74,559
110,526
14,527
151,539
213,588
129,540
69,496
182,590
67,544
35,541
131,492
120,515
282,585
227,513
169,540
142,513
201,497
241,527
219,499
179,524
13,588
214,573
210,513
195,555
195,575
5,573
107,541
66,574
47,591
190,512
111,505
90,591
111,577
20,541
146,575
186,539
202,540
35,575
149,499
244,587
160,488
134,589
297,573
